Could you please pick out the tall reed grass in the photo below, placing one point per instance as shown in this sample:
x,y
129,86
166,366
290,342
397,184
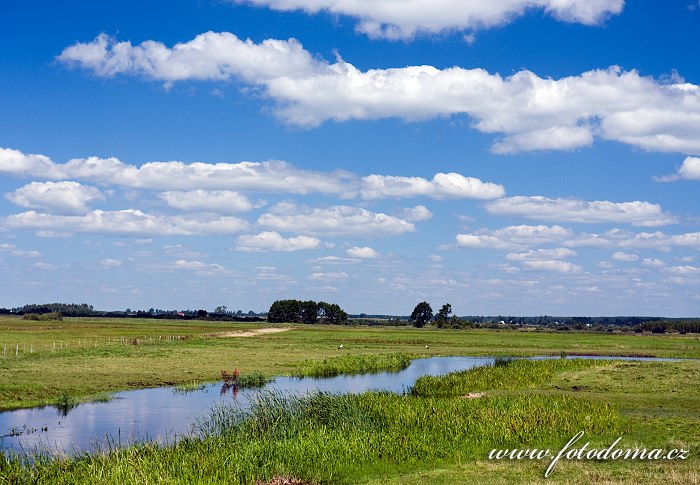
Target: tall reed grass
x,y
352,364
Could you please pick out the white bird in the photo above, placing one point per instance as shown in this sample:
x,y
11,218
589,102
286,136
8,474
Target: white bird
x,y
426,346
340,346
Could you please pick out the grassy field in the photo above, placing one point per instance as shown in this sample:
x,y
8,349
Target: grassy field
x,y
96,356
432,436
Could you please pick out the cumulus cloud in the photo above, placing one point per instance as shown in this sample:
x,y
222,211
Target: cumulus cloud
x,y
556,266
219,201
209,56
273,241
269,176
14,162
26,254
333,260
622,256
528,112
514,237
443,186
198,267
333,276
653,263
541,255
55,197
364,252
339,220
399,19
45,266
414,214
129,222
572,210
622,239
689,170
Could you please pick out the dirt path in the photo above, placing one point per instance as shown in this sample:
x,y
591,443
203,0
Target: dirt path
x,y
249,333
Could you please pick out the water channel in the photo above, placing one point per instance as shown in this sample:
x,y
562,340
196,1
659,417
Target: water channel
x,y
162,414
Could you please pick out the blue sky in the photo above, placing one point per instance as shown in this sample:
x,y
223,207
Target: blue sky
x,y
524,157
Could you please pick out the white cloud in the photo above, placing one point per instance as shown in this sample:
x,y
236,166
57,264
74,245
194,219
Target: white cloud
x,y
514,237
7,247
541,255
653,263
14,162
111,263
130,222
334,276
689,170
55,197
618,238
198,267
209,56
269,176
26,254
530,112
219,201
443,186
414,214
572,210
554,266
622,256
362,252
684,270
45,266
273,241
333,260
401,19
340,220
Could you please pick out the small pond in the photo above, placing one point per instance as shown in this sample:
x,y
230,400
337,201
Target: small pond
x,y
162,414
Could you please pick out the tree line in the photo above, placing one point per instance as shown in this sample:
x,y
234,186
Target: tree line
x,y
297,311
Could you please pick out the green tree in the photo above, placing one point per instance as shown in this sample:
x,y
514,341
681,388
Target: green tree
x,y
422,314
284,311
331,313
443,315
308,311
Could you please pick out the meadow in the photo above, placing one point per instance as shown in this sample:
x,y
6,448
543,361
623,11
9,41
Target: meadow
x,y
433,435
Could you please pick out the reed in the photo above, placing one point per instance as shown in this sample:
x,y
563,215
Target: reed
x,y
352,364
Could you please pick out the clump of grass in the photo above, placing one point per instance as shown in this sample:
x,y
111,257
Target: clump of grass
x,y
253,380
352,364
188,387
65,403
506,374
504,361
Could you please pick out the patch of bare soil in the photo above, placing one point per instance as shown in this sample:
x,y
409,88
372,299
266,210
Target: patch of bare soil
x,y
249,333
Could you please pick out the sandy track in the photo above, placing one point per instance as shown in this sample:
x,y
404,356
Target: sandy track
x,y
249,333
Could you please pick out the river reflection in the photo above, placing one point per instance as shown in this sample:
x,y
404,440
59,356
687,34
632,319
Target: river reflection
x,y
162,414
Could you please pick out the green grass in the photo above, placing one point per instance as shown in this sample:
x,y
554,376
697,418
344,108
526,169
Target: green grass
x,y
431,437
253,380
385,438
335,439
352,364
101,355
503,375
